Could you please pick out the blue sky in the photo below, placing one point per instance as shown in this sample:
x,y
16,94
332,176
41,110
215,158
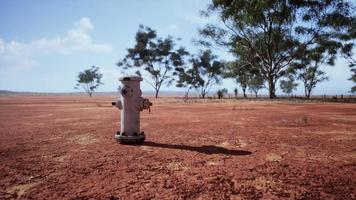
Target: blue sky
x,y
44,44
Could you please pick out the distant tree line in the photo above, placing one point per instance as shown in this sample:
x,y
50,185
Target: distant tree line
x,y
275,41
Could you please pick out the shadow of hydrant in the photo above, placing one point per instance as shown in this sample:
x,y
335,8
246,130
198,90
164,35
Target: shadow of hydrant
x,y
206,149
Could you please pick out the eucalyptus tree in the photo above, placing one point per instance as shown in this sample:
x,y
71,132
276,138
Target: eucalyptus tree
x,y
311,76
275,32
349,56
347,51
89,80
243,74
307,67
353,79
154,57
205,70
240,72
236,92
288,85
186,79
221,93
255,83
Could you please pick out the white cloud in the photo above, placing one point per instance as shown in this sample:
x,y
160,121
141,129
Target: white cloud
x,y
78,39
84,24
14,54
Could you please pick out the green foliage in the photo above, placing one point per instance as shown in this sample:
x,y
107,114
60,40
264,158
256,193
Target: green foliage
x,y
311,76
221,93
245,75
347,53
288,85
89,80
255,83
236,92
307,66
348,39
156,56
240,72
271,35
204,72
353,79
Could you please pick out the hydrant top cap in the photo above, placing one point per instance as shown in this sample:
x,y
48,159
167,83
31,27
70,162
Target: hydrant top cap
x,y
130,78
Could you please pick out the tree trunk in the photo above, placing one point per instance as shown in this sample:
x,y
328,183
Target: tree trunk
x,y
307,90
271,88
308,94
244,91
256,95
186,95
156,93
203,96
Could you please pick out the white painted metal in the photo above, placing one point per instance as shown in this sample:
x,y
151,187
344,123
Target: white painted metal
x,y
130,104
130,113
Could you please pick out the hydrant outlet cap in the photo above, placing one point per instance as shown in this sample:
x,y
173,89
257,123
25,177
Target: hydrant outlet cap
x,y
131,78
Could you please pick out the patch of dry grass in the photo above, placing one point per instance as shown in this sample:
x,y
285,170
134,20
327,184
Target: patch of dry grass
x,y
272,157
83,139
264,183
21,189
176,166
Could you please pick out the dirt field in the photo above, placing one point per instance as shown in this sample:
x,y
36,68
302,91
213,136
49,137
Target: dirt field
x,y
63,147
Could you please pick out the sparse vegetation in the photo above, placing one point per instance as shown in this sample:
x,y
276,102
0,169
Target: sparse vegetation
x,y
221,93
288,85
255,83
154,56
89,80
240,73
204,72
268,36
236,92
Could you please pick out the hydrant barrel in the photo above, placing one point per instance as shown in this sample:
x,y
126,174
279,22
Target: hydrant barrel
x,y
130,104
130,99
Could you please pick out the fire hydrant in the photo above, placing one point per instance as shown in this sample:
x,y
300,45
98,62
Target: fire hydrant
x,y
130,104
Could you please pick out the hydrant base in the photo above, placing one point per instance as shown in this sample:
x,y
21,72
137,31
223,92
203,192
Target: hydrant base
x,y
130,139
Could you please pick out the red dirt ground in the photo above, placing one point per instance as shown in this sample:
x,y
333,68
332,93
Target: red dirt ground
x,y
63,147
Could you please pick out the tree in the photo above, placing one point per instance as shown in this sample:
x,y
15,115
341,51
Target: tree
x,y
353,78
274,33
236,92
288,85
221,93
89,80
186,79
240,72
255,83
204,72
311,76
347,53
307,65
155,56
